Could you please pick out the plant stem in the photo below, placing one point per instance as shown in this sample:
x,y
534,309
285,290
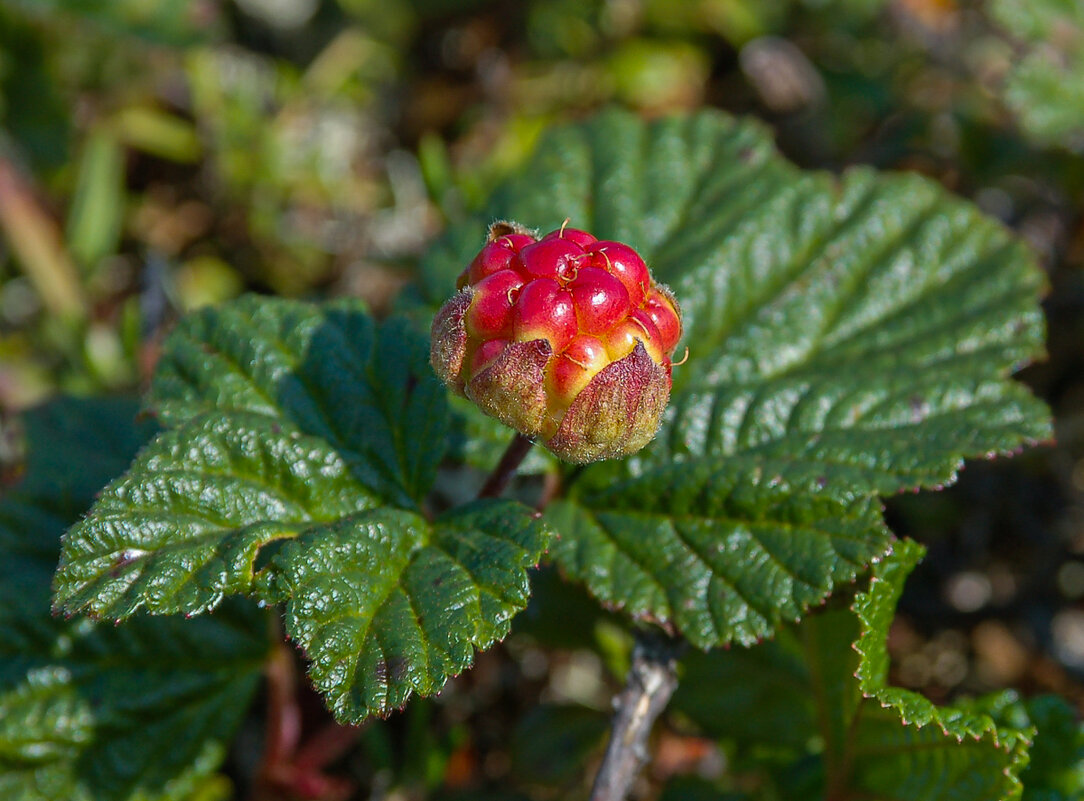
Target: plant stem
x,y
651,681
506,468
283,725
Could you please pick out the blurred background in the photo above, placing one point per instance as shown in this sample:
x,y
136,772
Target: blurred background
x,y
158,155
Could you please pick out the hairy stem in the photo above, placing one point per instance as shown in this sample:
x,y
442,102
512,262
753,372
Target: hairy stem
x,y
651,681
506,468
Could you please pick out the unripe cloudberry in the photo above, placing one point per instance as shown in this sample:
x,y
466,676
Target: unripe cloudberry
x,y
565,338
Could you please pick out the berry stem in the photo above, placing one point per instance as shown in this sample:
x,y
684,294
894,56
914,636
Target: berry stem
x,y
651,681
506,467
283,725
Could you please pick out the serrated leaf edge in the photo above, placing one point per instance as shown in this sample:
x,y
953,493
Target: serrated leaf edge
x,y
905,554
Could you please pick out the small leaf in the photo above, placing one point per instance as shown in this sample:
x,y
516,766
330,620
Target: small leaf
x,y
1056,769
713,552
386,604
99,713
287,417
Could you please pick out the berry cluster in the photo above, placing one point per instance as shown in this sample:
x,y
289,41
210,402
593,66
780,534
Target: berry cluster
x,y
564,337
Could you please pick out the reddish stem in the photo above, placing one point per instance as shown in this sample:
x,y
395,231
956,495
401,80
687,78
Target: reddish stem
x,y
325,746
506,468
283,712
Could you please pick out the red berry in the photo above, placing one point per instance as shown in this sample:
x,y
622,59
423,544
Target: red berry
x,y
566,339
601,300
622,338
661,311
517,241
549,258
581,238
573,369
495,256
625,264
490,311
545,311
486,353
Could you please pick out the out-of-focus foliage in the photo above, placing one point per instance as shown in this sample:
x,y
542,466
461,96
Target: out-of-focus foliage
x,y
1045,86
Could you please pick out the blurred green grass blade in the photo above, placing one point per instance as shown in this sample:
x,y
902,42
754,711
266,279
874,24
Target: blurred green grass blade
x,y
96,217
158,133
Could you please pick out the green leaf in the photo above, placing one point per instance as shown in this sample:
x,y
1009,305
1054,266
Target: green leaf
x,y
1055,770
1045,84
848,335
774,706
938,752
386,604
873,740
288,418
326,369
712,552
93,712
184,527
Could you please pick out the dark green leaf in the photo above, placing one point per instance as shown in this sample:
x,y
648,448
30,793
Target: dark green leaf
x,y
326,369
1056,770
94,712
184,527
287,418
757,696
386,604
713,552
